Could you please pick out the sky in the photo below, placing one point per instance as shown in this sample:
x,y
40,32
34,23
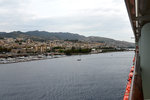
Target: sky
x,y
105,18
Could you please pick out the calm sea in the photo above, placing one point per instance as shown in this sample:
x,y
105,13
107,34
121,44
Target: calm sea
x,y
95,77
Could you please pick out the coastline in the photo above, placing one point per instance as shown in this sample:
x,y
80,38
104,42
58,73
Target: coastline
x,y
41,57
28,59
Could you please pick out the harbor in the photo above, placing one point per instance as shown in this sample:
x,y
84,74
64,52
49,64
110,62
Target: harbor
x,y
27,58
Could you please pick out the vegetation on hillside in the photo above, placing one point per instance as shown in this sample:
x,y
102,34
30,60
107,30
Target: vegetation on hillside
x,y
77,51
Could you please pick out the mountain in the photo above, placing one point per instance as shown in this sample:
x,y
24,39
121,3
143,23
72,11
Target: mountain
x,y
55,35
111,42
43,36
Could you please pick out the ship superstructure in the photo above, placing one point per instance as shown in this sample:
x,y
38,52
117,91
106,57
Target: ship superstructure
x,y
139,15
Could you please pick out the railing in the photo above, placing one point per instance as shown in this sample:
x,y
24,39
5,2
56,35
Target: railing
x,y
134,84
136,92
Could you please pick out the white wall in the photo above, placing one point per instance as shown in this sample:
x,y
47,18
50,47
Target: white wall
x,y
144,50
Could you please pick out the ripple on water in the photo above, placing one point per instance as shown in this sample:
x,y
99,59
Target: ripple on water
x,y
95,77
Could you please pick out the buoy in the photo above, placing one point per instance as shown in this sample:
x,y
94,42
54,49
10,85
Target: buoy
x,y
130,74
127,92
128,86
130,78
126,97
132,69
134,59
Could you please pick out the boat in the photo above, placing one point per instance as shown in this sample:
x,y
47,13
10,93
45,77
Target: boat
x,y
21,57
78,59
138,85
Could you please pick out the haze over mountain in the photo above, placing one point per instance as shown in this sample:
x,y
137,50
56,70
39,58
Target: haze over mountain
x,y
44,36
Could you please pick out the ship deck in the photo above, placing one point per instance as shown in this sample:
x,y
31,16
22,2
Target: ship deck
x,y
139,15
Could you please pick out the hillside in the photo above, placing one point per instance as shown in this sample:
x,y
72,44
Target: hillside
x,y
111,42
43,36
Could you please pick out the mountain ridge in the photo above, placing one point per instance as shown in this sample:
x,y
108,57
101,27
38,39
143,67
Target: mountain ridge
x,y
44,35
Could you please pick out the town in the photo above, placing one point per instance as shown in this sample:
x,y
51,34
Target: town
x,y
19,49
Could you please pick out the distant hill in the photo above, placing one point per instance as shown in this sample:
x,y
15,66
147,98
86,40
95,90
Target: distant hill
x,y
43,36
111,42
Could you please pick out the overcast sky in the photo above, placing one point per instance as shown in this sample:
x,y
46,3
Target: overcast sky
x,y
106,18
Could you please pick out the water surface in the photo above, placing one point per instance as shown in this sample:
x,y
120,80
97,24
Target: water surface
x,y
95,77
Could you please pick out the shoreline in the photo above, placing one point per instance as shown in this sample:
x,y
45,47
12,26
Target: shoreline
x,y
41,57
27,59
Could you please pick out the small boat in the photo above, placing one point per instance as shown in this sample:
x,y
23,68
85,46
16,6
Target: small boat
x,y
78,59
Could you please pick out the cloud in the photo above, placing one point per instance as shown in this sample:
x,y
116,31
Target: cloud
x,y
107,18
